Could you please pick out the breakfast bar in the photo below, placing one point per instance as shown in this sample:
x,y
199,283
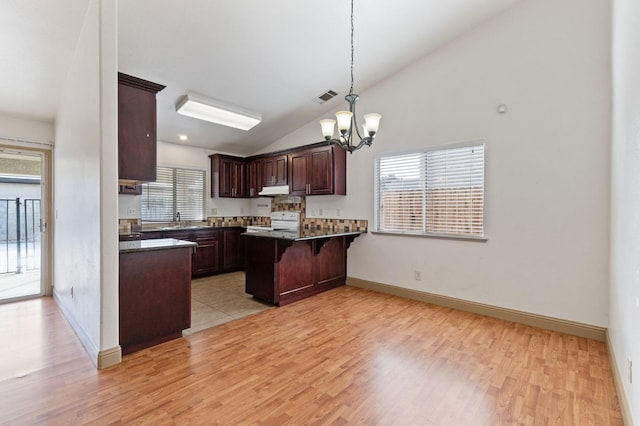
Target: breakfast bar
x,y
286,266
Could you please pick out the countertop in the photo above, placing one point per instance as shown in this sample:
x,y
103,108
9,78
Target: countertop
x,y
184,228
302,234
157,244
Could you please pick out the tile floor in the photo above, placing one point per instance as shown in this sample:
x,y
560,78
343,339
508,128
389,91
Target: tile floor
x,y
219,299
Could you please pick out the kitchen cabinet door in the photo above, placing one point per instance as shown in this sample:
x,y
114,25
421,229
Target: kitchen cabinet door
x,y
254,178
136,129
299,165
231,254
228,176
275,170
225,175
239,179
318,171
206,260
321,173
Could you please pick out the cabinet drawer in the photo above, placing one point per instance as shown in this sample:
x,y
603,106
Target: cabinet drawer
x,y
178,235
205,234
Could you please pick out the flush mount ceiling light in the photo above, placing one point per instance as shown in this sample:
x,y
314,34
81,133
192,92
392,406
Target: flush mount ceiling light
x,y
347,119
217,112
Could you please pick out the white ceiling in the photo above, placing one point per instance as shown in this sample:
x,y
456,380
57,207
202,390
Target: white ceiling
x,y
272,57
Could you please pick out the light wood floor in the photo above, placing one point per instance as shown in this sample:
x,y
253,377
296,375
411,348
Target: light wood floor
x,y
348,356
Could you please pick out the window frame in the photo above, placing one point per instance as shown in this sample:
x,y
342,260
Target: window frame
x,y
424,152
174,195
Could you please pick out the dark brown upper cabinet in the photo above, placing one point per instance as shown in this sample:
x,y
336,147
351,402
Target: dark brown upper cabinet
x,y
136,129
318,171
228,176
254,177
274,170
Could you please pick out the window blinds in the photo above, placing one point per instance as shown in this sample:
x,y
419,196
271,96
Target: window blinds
x,y
174,191
437,191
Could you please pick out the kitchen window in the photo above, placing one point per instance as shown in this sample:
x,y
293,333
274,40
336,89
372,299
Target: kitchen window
x,y
174,191
435,192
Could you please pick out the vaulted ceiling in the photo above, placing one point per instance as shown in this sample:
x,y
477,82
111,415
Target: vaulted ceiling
x,y
272,57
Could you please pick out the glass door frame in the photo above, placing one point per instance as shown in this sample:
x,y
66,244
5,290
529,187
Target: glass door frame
x,y
46,285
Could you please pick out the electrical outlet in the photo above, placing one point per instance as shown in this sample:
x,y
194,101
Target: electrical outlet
x,y
320,212
338,212
417,275
131,211
630,364
214,210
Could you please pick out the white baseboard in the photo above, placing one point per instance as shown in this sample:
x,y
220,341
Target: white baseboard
x,y
617,380
101,359
109,358
549,323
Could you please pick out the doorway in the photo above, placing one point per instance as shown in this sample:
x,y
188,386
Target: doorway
x,y
23,224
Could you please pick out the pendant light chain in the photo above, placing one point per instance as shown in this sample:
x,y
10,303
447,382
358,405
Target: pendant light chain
x,y
351,89
349,137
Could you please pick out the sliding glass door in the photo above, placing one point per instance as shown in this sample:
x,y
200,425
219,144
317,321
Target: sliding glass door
x,y
23,236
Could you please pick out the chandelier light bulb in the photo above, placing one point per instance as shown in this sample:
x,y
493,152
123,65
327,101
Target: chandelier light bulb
x,y
328,126
344,121
371,123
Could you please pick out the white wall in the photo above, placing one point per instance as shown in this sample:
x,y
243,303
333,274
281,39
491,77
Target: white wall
x,y
85,185
24,129
547,162
624,329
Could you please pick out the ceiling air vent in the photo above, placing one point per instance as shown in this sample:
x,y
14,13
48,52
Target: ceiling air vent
x,y
327,95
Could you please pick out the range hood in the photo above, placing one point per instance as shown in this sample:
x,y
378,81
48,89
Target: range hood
x,y
273,191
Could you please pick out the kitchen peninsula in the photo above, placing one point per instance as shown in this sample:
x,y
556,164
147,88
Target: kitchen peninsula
x,y
285,266
154,291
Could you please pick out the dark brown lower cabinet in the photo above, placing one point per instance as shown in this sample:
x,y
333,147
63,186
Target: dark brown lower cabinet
x,y
280,271
206,260
232,249
154,297
219,249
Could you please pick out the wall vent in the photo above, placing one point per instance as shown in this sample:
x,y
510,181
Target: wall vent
x,y
324,97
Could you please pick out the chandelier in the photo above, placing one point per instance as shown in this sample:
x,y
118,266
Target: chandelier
x,y
347,124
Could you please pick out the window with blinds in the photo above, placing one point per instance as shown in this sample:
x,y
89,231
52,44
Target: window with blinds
x,y
432,192
174,191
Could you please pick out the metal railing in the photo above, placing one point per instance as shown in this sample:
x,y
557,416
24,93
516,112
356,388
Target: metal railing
x,y
20,221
